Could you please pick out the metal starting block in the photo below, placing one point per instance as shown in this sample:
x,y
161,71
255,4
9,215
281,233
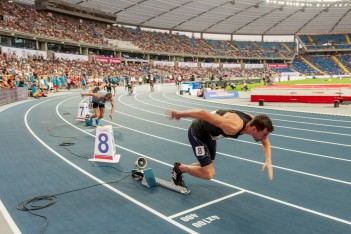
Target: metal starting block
x,y
172,186
149,180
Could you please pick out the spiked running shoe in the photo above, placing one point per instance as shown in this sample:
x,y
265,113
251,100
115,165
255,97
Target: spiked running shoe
x,y
98,122
177,176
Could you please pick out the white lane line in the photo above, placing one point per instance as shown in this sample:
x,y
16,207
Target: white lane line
x,y
206,204
281,120
307,123
274,109
3,209
310,130
291,170
251,192
233,186
229,155
9,219
103,183
273,134
295,151
317,141
312,154
287,203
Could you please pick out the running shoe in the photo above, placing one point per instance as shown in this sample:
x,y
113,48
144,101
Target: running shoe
x,y
177,176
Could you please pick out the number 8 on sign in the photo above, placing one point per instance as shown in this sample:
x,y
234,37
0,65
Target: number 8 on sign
x,y
104,150
103,145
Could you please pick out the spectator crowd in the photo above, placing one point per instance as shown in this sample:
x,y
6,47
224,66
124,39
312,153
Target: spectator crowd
x,y
25,19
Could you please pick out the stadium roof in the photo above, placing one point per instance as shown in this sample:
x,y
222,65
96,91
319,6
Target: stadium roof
x,y
239,17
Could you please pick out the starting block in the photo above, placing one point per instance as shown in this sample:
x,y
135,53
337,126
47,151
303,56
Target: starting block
x,y
170,185
149,180
88,120
83,111
105,150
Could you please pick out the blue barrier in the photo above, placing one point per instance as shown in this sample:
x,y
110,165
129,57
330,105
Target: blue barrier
x,y
188,86
220,94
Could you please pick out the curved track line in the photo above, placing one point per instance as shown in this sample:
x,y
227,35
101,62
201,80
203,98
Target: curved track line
x,y
324,142
95,178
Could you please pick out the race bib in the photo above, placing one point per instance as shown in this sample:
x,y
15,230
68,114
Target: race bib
x,y
200,150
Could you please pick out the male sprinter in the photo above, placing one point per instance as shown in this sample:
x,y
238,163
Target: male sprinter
x,y
207,127
99,100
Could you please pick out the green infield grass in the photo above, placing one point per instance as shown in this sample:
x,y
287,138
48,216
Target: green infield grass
x,y
305,81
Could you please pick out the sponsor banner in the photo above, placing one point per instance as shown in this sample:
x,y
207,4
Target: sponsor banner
x,y
187,64
291,74
232,65
215,65
253,65
107,59
188,86
23,53
220,94
116,60
288,76
13,95
277,65
71,56
164,63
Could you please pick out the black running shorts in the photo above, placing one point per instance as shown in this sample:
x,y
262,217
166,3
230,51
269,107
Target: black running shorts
x,y
204,148
96,105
